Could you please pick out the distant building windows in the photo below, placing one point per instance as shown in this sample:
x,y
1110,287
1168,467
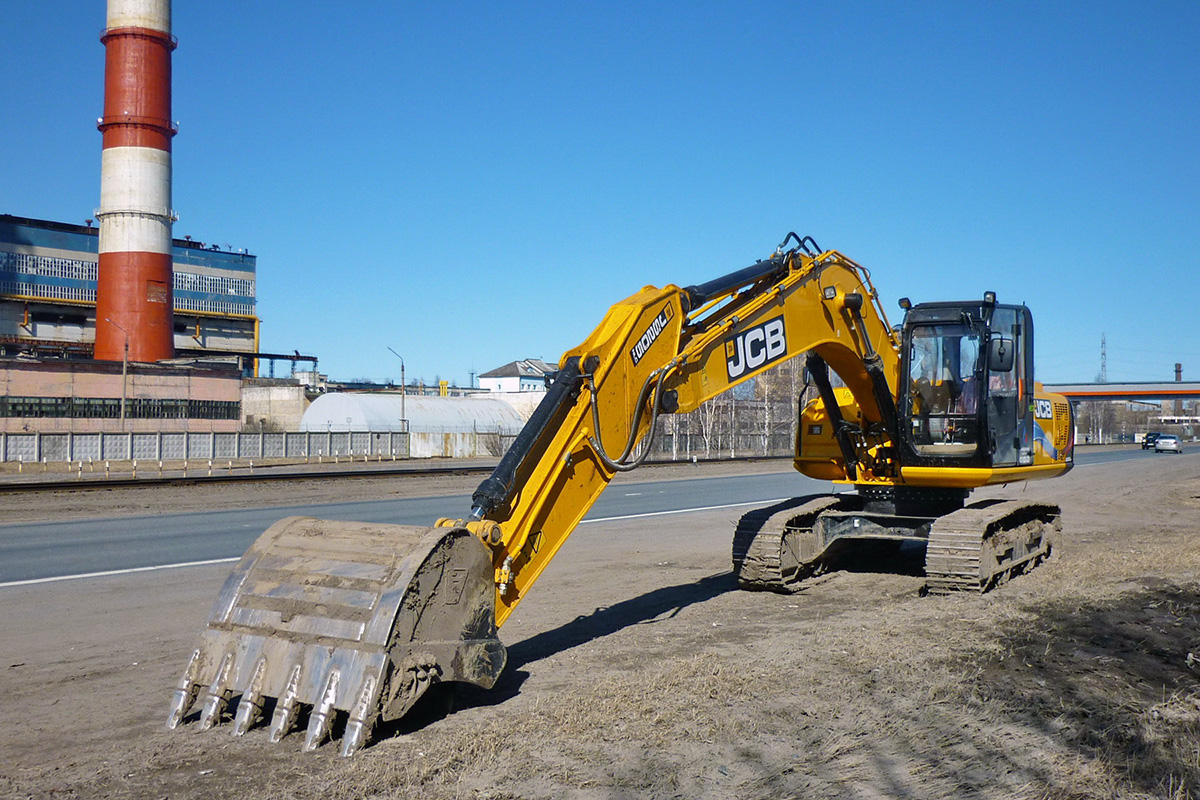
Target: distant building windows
x,y
29,275
29,264
110,408
213,284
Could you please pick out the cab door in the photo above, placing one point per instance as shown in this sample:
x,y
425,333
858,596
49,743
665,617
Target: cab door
x,y
1009,369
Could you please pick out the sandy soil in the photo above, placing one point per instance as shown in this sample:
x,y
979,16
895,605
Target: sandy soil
x,y
637,669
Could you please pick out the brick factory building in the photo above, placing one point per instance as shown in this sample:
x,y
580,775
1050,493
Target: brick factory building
x,y
101,396
48,380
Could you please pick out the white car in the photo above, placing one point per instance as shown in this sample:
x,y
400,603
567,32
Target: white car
x,y
1168,443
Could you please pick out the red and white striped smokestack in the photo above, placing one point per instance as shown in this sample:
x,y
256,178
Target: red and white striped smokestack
x,y
133,294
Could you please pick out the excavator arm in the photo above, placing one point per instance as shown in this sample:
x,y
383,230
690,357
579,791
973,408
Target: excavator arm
x,y
669,350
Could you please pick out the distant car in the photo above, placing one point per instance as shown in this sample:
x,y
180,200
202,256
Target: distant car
x,y
1149,439
1168,443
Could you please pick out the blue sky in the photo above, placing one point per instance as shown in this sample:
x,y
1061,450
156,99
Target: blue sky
x,y
473,183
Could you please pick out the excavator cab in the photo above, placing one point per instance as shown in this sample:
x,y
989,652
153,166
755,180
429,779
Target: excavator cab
x,y
966,392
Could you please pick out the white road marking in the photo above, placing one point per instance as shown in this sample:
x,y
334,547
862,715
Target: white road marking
x,y
118,572
683,510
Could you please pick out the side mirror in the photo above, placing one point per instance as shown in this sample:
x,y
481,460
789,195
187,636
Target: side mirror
x,y
1000,354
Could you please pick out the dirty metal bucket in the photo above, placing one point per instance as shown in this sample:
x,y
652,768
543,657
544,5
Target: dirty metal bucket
x,y
343,618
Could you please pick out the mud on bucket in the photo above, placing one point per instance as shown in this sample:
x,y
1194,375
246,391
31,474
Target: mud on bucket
x,y
343,618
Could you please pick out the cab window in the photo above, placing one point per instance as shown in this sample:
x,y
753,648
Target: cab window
x,y
943,389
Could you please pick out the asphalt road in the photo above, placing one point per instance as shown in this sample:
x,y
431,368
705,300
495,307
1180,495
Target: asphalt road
x,y
53,549
42,551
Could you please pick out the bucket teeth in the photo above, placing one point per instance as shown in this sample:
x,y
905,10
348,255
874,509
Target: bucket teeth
x,y
362,717
218,695
321,719
285,709
249,712
185,693
250,709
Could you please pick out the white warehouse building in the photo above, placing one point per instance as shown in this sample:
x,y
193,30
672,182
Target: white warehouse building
x,y
459,427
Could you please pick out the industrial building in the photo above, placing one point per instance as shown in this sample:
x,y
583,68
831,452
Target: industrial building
x,y
527,375
48,380
48,278
110,397
118,327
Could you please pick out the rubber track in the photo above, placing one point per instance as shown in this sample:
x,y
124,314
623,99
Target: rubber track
x,y
758,543
985,544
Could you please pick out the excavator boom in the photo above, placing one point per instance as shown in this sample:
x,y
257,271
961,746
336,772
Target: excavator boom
x,y
662,351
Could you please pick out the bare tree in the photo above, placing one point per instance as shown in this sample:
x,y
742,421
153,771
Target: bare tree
x,y
760,415
706,416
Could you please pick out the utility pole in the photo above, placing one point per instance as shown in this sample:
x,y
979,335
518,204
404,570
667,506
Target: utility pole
x,y
1103,359
403,390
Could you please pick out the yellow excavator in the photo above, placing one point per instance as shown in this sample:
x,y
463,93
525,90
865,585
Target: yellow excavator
x,y
347,624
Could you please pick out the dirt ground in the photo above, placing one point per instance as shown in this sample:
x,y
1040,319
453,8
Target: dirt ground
x,y
637,669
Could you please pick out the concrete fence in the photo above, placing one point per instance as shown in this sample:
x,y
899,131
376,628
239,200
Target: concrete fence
x,y
50,447
53,447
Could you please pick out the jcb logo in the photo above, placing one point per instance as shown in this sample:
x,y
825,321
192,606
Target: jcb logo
x,y
755,348
1043,409
650,336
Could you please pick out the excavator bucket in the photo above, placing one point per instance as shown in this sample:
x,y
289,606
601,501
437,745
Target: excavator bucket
x,y
346,623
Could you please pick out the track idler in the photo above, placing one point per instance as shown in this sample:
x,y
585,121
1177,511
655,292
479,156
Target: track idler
x,y
344,623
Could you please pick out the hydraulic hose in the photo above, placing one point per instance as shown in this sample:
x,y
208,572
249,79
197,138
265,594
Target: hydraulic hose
x,y
619,464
